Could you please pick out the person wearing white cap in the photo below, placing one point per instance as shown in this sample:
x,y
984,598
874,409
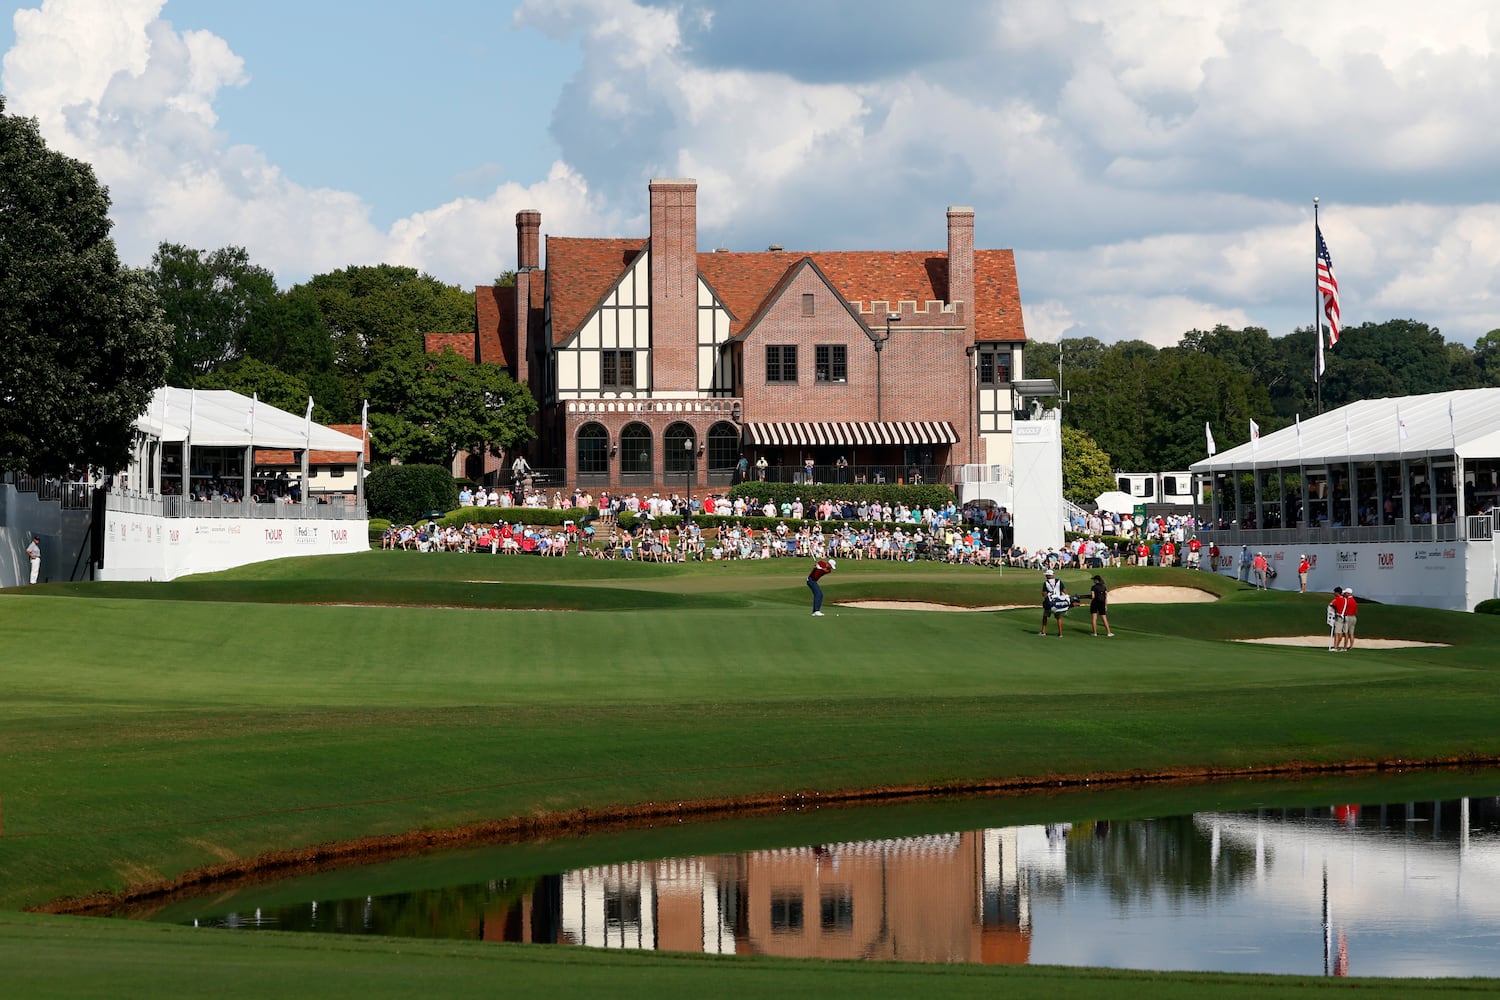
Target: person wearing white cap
x,y
820,569
1344,641
1261,568
1055,601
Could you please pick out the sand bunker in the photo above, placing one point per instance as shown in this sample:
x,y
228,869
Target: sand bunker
x,y
1322,640
1141,594
1148,594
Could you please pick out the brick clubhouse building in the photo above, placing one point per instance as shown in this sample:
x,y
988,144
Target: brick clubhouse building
x,y
657,365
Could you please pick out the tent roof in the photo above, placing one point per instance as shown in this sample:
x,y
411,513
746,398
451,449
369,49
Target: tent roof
x,y
1440,423
222,418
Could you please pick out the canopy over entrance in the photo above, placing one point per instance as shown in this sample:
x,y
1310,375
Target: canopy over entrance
x,y
850,433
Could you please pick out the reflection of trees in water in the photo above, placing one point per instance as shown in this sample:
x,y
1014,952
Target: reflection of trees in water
x,y
1139,860
451,912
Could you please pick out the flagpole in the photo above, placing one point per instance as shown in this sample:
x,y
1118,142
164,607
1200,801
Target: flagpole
x,y
1317,320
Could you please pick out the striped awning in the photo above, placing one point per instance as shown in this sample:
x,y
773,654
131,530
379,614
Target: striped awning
x,y
851,433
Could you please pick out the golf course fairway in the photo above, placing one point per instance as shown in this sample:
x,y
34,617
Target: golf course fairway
x,y
155,735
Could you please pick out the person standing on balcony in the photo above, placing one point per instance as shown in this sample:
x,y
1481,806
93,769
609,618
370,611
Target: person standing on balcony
x,y
760,467
34,554
843,466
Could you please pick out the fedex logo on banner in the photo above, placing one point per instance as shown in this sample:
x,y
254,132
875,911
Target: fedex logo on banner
x,y
273,534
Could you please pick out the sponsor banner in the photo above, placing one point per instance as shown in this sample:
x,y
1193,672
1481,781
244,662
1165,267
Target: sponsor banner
x,y
1452,575
144,547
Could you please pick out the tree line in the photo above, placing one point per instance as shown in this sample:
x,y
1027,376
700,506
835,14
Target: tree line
x,y
340,338
1134,406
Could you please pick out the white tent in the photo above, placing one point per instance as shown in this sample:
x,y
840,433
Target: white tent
x,y
1386,430
222,418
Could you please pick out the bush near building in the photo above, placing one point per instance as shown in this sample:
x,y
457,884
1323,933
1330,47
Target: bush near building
x,y
406,492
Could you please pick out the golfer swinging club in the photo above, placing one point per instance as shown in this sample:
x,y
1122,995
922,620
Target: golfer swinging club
x,y
820,569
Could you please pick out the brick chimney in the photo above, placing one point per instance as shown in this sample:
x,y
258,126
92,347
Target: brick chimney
x,y
528,226
961,262
674,285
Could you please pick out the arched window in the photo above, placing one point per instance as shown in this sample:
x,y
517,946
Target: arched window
x,y
723,446
593,450
678,448
635,449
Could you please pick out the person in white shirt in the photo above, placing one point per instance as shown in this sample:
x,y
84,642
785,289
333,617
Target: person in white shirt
x,y
34,554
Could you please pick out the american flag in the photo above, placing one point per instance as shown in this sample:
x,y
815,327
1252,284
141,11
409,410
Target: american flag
x,y
1328,289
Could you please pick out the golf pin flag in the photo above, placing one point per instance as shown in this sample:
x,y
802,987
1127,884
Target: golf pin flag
x,y
1212,448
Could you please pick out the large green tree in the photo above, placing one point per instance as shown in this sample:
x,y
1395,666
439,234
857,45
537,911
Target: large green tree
x,y
1086,468
290,336
252,377
429,407
374,314
82,340
210,297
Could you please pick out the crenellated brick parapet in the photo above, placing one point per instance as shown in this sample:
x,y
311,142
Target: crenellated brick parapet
x,y
932,314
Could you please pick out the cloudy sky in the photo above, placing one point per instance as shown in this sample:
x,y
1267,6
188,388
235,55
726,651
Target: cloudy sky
x,y
1153,165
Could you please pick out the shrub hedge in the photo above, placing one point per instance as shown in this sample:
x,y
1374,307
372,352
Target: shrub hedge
x,y
406,492
935,495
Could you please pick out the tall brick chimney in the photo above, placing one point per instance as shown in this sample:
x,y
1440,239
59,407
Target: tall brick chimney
x,y
961,262
674,285
528,225
528,228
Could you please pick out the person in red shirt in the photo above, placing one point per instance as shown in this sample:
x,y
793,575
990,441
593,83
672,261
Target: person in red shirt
x,y
1194,548
820,569
1335,618
1302,568
1142,554
1345,639
1168,552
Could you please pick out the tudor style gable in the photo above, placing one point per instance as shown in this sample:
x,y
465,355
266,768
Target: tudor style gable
x,y
803,338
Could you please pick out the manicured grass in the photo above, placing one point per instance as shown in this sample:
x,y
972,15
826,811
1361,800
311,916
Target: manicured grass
x,y
150,729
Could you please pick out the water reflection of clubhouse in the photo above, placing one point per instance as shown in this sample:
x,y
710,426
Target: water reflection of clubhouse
x,y
1000,895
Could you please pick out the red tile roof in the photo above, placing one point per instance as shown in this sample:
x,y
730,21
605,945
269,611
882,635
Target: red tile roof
x,y
283,456
462,343
495,319
584,270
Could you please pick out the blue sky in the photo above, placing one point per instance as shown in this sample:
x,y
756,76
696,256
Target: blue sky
x,y
1152,164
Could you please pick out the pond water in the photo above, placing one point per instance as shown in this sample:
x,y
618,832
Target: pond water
x,y
1404,889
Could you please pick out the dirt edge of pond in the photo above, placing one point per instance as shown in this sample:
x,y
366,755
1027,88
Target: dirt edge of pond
x,y
577,822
